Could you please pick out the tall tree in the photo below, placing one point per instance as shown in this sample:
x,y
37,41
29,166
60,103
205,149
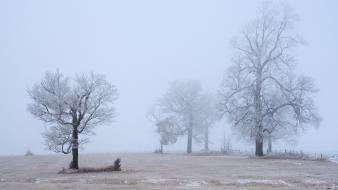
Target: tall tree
x,y
185,110
264,68
182,102
69,108
207,117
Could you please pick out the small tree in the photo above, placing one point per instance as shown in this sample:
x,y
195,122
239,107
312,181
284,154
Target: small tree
x,y
263,69
168,132
166,126
69,108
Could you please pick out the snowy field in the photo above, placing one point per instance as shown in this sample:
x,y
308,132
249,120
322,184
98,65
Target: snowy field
x,y
172,171
334,159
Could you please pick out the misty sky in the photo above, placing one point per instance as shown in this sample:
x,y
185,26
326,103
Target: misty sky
x,y
141,46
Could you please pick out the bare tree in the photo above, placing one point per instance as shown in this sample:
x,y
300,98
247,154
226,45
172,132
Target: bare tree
x,y
263,69
185,110
226,144
207,117
279,126
182,103
69,108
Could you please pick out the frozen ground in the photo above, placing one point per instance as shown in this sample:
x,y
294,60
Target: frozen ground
x,y
334,158
172,171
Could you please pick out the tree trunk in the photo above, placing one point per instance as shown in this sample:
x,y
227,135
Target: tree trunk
x,y
189,144
259,141
269,144
259,148
206,139
258,114
75,149
161,149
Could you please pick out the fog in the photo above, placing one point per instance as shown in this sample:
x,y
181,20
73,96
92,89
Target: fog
x,y
141,46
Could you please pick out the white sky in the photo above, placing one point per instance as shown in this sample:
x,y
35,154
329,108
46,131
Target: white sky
x,y
141,46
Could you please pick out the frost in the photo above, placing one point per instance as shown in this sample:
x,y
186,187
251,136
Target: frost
x,y
38,180
334,159
263,181
314,181
155,180
188,184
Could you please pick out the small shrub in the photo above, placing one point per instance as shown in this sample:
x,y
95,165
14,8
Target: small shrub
x,y
117,164
158,151
29,153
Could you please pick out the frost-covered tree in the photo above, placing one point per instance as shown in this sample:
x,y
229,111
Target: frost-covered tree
x,y
279,126
182,103
207,116
185,110
166,126
71,107
168,131
263,70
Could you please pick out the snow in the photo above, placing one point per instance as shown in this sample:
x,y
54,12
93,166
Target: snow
x,y
172,171
334,159
191,184
262,181
155,180
310,181
39,180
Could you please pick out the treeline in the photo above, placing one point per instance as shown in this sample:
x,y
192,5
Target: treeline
x,y
261,95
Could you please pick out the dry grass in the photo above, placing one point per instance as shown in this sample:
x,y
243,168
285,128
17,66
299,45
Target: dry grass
x,y
294,156
112,168
88,170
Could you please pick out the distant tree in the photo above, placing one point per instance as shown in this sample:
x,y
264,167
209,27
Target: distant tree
x,y
279,126
182,103
29,153
264,70
69,108
166,127
168,131
226,144
182,110
207,115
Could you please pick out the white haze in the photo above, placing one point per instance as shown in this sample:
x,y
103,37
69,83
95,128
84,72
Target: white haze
x,y
141,46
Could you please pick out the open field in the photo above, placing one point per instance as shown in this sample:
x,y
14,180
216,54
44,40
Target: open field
x,y
168,171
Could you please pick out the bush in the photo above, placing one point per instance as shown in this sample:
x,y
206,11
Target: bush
x,y
29,153
158,151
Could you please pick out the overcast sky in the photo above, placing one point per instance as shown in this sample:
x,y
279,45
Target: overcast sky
x,y
141,46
